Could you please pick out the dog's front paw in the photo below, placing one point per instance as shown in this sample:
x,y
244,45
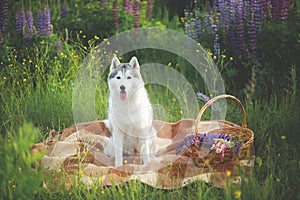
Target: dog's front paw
x,y
118,163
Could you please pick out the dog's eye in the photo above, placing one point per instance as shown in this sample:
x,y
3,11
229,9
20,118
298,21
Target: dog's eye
x,y
118,77
129,77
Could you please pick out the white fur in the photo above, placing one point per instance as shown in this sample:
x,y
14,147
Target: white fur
x,y
130,117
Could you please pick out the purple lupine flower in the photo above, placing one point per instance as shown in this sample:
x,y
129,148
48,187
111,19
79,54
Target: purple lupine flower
x,y
3,16
257,15
217,47
187,28
149,9
252,35
186,23
185,144
137,14
125,5
63,9
207,139
225,18
264,9
237,147
40,22
198,23
130,9
20,22
1,37
276,5
208,18
116,13
230,34
204,140
29,30
223,13
193,24
202,97
285,9
47,21
240,29
246,10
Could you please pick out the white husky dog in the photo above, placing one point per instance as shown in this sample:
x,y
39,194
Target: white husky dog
x,y
129,114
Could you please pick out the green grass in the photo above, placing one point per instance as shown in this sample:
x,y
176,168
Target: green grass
x,y
37,97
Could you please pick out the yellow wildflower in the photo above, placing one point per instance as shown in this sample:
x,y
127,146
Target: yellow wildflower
x,y
237,194
81,172
102,178
228,173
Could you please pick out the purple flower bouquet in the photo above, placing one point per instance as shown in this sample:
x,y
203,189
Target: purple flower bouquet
x,y
218,147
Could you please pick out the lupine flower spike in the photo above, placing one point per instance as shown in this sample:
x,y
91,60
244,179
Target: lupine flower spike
x,y
3,16
20,22
63,9
1,37
116,13
29,30
47,20
40,22
149,9
137,14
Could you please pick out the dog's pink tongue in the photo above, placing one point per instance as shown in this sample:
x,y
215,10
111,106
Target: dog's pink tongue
x,y
123,96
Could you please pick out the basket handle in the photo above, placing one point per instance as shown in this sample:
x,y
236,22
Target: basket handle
x,y
244,125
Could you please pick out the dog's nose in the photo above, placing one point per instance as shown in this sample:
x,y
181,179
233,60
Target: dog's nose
x,y
122,87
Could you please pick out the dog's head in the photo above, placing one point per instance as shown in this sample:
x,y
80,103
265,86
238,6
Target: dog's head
x,y
124,78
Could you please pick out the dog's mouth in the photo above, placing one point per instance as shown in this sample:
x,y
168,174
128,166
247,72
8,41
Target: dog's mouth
x,y
123,95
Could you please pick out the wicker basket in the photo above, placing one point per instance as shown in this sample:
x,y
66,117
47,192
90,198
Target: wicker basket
x,y
242,133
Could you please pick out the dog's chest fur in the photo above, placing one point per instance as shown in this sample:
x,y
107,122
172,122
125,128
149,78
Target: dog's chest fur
x,y
133,115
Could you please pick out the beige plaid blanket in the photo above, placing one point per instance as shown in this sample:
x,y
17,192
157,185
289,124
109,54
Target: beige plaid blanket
x,y
77,151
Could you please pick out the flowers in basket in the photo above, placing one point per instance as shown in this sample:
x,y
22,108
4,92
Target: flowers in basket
x,y
211,141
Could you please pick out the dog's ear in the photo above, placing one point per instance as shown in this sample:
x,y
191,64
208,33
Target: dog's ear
x,y
114,63
134,63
